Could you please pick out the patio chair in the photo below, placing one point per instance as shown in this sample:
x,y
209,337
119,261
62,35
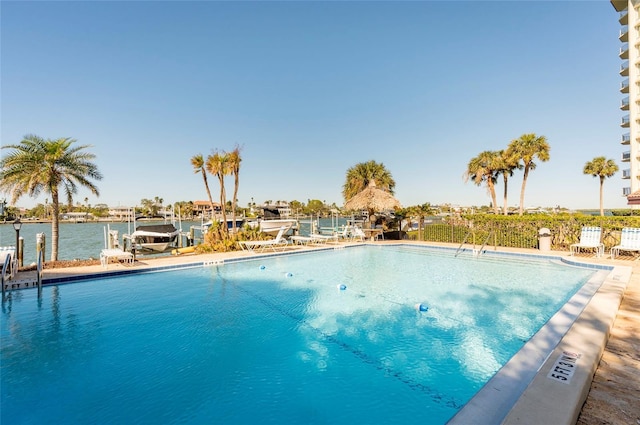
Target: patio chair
x,y
279,242
629,241
589,239
358,234
318,238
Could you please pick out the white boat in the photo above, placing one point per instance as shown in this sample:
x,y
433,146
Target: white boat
x,y
274,218
155,237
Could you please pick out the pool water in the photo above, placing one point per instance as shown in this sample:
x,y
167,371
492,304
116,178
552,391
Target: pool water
x,y
276,340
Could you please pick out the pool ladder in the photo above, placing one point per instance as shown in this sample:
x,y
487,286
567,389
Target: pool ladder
x,y
476,252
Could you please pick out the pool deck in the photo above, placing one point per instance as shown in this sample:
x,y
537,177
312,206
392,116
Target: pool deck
x,y
606,336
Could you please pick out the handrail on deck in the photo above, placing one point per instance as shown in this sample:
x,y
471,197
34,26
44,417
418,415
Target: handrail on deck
x,y
5,266
463,242
485,241
475,252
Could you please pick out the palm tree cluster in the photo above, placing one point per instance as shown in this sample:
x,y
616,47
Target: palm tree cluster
x,y
220,164
519,154
37,165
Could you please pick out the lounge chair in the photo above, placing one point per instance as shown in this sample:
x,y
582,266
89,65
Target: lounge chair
x,y
318,238
302,240
279,242
589,239
117,254
629,241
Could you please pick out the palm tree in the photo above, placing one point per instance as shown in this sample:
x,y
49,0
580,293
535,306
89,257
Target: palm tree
x,y
526,149
234,167
506,165
197,161
37,165
602,168
359,176
218,165
484,169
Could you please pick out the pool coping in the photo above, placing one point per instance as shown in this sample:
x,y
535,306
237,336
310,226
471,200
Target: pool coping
x,y
537,398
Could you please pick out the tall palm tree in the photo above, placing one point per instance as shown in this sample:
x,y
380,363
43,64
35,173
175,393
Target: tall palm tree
x,y
37,165
197,161
484,169
527,148
359,176
234,167
602,168
218,165
506,165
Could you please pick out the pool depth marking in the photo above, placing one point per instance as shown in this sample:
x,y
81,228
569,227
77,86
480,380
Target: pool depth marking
x,y
564,367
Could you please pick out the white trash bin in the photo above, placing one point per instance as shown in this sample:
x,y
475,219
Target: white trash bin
x,y
544,239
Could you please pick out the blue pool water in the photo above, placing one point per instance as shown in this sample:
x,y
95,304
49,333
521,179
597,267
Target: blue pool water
x,y
276,340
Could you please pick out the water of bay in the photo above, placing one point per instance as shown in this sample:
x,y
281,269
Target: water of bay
x,y
86,240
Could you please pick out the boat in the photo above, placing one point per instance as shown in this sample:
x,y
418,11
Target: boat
x,y
273,218
240,221
155,237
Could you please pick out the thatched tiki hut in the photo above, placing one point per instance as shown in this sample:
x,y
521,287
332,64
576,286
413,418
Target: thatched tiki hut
x,y
373,199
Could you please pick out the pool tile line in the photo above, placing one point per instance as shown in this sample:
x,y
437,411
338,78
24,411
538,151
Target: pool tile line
x,y
206,263
48,281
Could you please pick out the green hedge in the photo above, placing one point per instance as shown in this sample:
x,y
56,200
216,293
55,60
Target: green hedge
x,y
523,231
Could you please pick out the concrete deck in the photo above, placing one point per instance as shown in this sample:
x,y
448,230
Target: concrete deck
x,y
606,336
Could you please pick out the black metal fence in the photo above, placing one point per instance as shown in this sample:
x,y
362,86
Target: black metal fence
x,y
521,232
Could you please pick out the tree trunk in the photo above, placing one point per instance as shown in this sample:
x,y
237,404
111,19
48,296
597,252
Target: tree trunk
x,y
55,224
601,202
524,184
492,192
504,209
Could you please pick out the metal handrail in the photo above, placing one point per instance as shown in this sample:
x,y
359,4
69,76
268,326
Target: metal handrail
x,y
485,241
5,266
463,242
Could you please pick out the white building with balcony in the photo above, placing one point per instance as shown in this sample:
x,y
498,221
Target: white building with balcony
x,y
630,88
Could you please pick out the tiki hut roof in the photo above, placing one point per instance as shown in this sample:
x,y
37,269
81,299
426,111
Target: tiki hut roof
x,y
372,198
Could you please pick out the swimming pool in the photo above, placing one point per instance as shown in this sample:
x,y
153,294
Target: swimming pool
x,y
276,340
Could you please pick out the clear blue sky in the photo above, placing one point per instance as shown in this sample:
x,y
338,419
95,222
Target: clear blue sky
x,y
309,89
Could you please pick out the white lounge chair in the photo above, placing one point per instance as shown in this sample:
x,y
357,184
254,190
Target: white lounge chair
x,y
280,242
589,239
117,254
302,240
629,241
318,238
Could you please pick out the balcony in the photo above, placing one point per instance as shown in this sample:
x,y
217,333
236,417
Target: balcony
x,y
624,51
624,69
624,104
625,121
623,18
626,174
624,86
626,139
626,156
624,34
626,191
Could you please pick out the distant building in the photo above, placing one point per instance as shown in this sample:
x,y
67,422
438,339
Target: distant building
x,y
630,88
121,213
203,208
